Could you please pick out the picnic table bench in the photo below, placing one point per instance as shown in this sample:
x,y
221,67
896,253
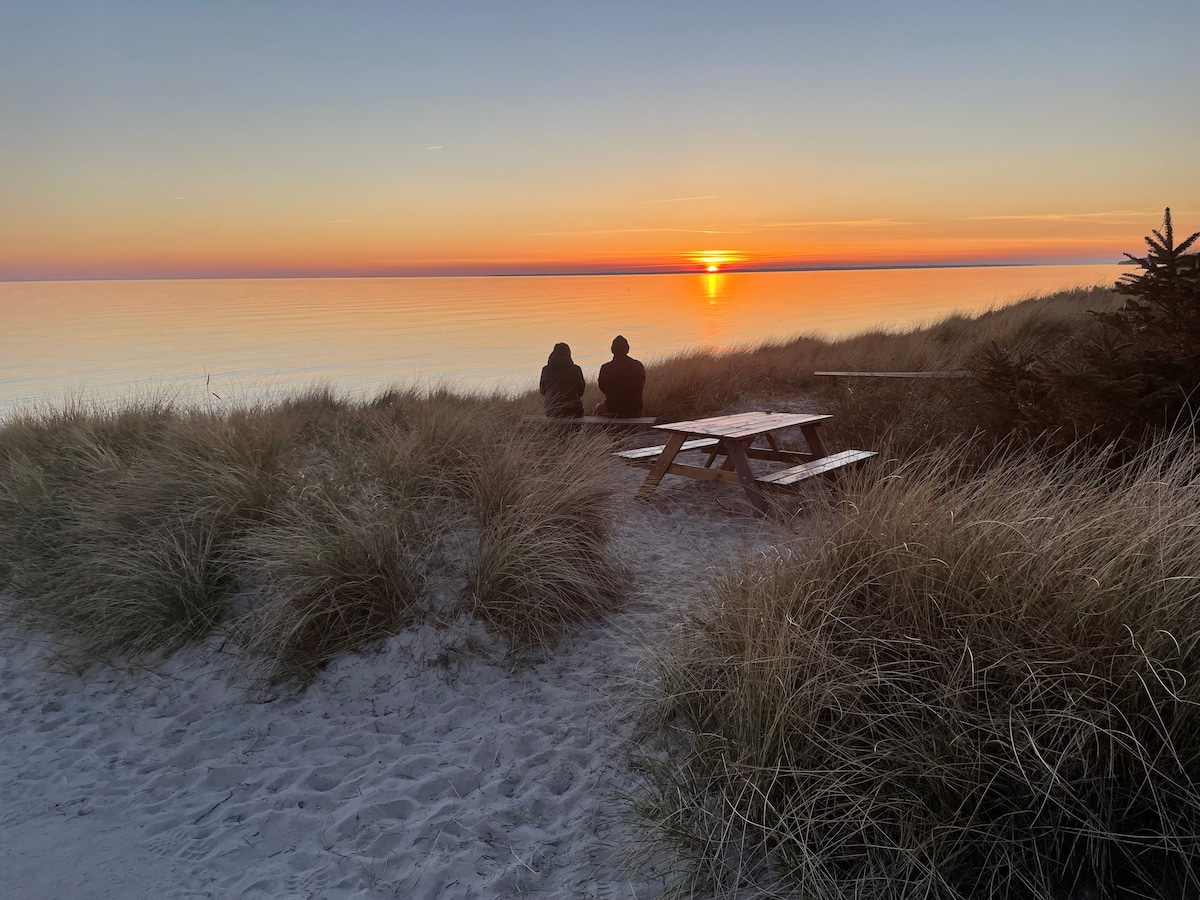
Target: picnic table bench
x,y
823,466
733,437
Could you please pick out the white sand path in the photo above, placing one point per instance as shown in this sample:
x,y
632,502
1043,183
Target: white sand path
x,y
420,769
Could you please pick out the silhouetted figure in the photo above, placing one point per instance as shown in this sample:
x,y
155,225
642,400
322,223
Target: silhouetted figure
x,y
562,384
621,381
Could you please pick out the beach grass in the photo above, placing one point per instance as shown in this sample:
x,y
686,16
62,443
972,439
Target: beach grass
x,y
978,687
128,529
539,570
984,683
904,414
308,527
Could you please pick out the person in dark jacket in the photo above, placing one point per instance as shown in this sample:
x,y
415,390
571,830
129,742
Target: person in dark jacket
x,y
621,381
562,384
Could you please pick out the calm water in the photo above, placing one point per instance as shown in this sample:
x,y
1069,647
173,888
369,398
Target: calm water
x,y
248,338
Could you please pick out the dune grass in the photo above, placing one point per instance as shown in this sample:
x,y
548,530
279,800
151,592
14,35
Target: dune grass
x,y
979,687
904,414
129,531
985,684
539,570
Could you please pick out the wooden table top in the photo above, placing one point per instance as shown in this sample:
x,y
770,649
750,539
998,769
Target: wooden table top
x,y
742,425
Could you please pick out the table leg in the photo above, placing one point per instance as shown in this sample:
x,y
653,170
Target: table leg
x,y
741,465
814,441
659,469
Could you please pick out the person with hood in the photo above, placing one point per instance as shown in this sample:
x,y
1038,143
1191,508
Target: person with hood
x,y
621,381
562,384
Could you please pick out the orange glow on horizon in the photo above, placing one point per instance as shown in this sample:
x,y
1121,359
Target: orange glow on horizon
x,y
226,262
210,249
552,143
713,261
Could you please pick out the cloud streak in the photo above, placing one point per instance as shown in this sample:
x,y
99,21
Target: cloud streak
x,y
1070,217
827,223
681,199
637,231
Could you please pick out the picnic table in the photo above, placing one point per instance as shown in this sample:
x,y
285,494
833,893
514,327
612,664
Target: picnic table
x,y
733,437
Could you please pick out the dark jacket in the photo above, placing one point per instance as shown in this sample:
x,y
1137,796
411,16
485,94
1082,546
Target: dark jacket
x,y
622,381
562,384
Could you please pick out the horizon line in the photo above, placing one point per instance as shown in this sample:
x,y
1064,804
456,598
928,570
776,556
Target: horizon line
x,y
581,273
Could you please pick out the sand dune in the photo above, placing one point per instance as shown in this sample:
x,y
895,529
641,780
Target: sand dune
x,y
427,767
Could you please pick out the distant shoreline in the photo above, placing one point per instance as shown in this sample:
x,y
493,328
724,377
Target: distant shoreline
x,y
624,273
758,270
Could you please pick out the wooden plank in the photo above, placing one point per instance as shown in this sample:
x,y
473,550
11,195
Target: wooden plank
x,y
948,373
741,465
661,464
813,439
650,452
722,422
793,421
742,425
736,420
823,466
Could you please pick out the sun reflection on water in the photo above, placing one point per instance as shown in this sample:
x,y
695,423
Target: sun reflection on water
x,y
489,333
714,310
714,286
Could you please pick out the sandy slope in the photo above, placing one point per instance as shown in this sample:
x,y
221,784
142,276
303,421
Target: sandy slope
x,y
420,769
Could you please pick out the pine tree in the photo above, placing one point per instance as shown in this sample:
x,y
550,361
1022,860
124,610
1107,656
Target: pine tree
x,y
1137,375
1148,366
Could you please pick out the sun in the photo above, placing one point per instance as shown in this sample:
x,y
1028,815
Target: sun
x,y
713,261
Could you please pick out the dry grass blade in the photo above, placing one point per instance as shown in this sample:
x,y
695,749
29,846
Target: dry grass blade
x,y
333,581
983,684
544,561
124,531
533,579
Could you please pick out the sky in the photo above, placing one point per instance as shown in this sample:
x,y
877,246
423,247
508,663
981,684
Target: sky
x,y
235,139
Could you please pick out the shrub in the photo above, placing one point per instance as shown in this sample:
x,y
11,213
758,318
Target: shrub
x,y
1131,377
976,688
1151,372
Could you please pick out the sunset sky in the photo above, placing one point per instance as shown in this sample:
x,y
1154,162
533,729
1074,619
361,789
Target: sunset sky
x,y
156,139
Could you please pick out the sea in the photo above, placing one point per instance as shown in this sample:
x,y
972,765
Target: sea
x,y
241,340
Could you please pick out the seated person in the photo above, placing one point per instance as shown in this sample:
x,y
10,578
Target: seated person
x,y
562,384
621,381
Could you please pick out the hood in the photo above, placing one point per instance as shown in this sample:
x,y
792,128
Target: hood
x,y
560,356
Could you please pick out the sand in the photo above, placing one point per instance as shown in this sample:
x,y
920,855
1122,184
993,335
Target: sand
x,y
426,767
